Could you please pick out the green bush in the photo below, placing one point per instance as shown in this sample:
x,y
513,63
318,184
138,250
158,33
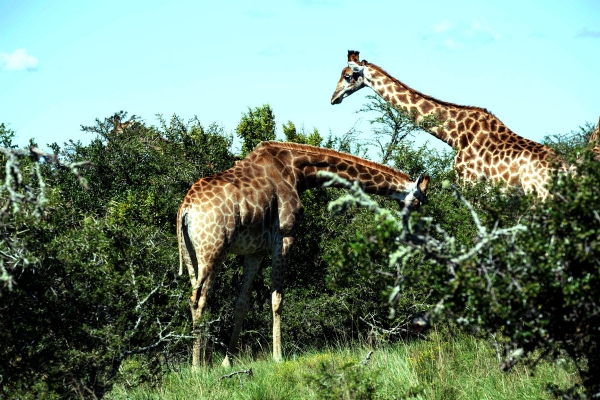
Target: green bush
x,y
536,282
101,285
96,299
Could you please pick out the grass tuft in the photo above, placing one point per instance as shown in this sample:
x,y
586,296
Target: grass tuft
x,y
443,367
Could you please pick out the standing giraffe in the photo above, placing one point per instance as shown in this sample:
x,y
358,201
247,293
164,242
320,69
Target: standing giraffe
x,y
254,208
485,147
118,126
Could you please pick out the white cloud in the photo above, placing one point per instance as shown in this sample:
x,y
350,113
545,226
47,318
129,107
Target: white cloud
x,y
460,36
586,32
17,61
442,26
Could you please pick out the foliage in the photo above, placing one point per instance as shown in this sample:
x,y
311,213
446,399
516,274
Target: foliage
x,y
570,146
103,286
102,262
96,301
22,200
449,365
6,137
536,282
256,125
394,125
292,135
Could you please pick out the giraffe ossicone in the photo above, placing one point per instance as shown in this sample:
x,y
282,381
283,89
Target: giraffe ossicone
x,y
486,148
254,209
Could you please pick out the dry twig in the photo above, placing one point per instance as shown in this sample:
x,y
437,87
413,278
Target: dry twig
x,y
243,371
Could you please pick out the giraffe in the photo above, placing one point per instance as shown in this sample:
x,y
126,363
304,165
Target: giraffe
x,y
594,143
119,126
149,137
254,208
486,148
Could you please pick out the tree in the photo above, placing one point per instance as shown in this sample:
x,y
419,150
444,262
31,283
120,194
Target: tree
x,y
393,123
256,125
101,291
292,135
534,283
570,146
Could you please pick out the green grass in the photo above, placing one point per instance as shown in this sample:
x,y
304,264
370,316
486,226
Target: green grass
x,y
442,367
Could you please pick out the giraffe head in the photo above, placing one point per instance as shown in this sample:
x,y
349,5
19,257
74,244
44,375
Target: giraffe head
x,y
352,79
414,195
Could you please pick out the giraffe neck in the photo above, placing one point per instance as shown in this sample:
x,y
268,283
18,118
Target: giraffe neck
x,y
306,161
459,124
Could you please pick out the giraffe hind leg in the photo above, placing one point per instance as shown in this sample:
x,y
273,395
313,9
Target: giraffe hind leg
x,y
201,267
251,267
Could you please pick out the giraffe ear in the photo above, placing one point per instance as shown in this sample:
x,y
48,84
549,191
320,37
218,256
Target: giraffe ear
x,y
356,68
422,183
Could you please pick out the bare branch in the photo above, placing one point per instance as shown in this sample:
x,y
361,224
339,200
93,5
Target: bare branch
x,y
367,358
243,371
17,191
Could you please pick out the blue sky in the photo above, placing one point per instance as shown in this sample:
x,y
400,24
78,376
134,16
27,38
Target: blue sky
x,y
534,64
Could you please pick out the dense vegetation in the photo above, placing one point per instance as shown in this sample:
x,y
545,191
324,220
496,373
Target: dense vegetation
x,y
446,366
89,258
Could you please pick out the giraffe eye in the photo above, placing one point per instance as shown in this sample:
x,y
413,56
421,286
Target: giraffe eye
x,y
347,77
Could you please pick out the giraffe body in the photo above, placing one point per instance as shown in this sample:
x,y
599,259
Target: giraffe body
x,y
486,148
254,209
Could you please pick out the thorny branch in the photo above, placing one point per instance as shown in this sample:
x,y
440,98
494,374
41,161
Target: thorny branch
x,y
16,191
413,241
243,371
416,243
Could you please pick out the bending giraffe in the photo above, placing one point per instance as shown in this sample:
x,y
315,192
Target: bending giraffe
x,y
118,126
254,208
485,147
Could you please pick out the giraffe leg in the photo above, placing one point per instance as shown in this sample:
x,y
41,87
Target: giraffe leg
x,y
204,241
201,271
251,266
188,256
280,256
202,349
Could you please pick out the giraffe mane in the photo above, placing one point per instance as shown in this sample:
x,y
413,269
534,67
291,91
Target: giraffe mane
x,y
426,96
530,142
330,152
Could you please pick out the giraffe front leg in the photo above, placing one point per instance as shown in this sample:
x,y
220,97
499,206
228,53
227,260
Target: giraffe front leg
x,y
251,266
280,257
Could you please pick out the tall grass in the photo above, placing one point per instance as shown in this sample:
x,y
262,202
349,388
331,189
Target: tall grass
x,y
443,367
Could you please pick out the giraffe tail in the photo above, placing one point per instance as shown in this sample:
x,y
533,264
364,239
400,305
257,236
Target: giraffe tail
x,y
185,242
180,245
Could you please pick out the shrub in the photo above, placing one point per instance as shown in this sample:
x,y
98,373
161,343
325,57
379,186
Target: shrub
x,y
536,282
